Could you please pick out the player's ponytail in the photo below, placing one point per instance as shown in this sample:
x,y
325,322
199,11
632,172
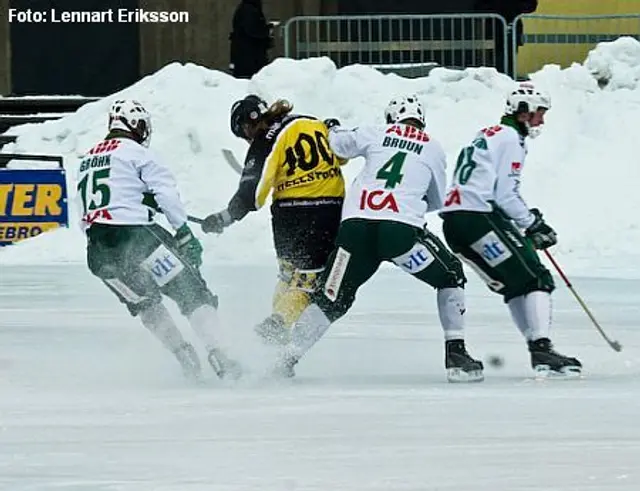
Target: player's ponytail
x,y
278,110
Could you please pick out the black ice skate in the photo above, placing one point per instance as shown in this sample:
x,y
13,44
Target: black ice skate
x,y
461,368
225,367
273,331
546,362
189,361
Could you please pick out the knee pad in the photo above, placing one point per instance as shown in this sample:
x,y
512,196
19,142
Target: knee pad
x,y
196,299
452,275
543,282
292,293
290,304
280,290
298,278
131,297
332,309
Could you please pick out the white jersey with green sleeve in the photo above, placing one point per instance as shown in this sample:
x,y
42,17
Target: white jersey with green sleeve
x,y
403,177
487,175
112,179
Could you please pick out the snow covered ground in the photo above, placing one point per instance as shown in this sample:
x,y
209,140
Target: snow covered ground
x,y
89,401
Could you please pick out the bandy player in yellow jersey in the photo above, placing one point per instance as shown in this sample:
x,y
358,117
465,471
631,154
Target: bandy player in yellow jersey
x,y
290,158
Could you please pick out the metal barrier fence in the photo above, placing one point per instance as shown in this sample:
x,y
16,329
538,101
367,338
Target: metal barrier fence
x,y
559,38
406,44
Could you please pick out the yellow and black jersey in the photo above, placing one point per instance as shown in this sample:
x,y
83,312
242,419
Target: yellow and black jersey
x,y
292,161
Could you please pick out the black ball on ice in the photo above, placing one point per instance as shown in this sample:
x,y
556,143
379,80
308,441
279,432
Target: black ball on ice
x,y
496,361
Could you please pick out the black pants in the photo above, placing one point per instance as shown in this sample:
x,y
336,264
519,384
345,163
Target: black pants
x,y
304,231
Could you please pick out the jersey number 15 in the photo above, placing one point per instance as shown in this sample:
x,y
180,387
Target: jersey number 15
x,y
92,186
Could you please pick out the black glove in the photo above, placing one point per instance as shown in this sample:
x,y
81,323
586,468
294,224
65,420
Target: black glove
x,y
189,246
149,199
216,222
331,122
541,234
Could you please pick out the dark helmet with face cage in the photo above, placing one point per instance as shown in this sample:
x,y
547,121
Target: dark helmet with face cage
x,y
247,111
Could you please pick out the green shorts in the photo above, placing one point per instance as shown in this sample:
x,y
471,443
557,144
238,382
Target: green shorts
x,y
492,245
140,263
362,245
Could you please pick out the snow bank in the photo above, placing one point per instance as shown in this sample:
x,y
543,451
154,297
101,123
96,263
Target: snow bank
x,y
582,171
616,65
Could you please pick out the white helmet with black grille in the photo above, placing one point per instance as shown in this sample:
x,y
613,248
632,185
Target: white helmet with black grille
x,y
130,116
527,98
402,108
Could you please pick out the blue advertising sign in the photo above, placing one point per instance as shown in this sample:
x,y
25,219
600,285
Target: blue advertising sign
x,y
32,202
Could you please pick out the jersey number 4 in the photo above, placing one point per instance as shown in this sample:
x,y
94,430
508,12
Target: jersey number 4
x,y
391,171
93,186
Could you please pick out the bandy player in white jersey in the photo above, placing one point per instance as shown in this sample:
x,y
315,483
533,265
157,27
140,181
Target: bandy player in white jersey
x,y
135,257
486,221
383,219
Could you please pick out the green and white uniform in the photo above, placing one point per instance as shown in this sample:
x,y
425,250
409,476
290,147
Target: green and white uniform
x,y
483,219
136,258
113,178
489,225
383,217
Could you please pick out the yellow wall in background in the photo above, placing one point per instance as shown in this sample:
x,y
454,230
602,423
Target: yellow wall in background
x,y
532,57
588,7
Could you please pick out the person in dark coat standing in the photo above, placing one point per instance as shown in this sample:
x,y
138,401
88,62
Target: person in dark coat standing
x,y
250,38
509,9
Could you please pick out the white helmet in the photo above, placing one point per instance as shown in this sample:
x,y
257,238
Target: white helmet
x,y
405,107
129,115
526,98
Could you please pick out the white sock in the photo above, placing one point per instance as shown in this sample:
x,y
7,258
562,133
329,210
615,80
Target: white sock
x,y
532,314
204,321
538,311
451,311
308,329
519,316
157,319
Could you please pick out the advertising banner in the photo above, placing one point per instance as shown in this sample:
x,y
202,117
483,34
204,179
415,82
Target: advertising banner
x,y
31,202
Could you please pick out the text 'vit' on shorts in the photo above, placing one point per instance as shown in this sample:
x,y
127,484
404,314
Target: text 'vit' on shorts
x,y
415,260
163,265
336,275
491,249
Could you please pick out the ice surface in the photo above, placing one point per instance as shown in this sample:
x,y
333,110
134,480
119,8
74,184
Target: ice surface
x,y
582,171
89,401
